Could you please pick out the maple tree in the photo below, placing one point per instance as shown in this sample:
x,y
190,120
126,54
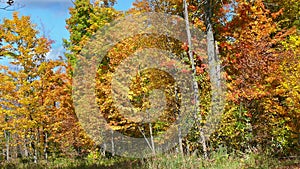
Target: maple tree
x,y
253,59
290,12
106,70
206,15
255,42
35,98
86,18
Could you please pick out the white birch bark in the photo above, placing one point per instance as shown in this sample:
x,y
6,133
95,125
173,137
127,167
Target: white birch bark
x,y
195,84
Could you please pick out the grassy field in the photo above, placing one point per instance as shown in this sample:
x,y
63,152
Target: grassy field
x,y
218,160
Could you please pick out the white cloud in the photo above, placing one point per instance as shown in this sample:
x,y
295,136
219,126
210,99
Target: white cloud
x,y
54,54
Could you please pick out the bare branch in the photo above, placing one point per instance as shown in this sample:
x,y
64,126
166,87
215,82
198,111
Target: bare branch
x,y
10,5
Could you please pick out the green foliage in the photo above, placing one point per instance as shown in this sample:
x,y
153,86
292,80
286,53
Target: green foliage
x,y
86,18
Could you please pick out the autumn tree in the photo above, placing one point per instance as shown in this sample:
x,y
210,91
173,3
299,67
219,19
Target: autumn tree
x,y
86,18
208,16
254,54
253,41
35,102
21,44
290,12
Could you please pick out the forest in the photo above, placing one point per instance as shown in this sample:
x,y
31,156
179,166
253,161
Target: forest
x,y
165,84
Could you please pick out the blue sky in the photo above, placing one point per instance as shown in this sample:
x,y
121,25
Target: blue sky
x,y
50,16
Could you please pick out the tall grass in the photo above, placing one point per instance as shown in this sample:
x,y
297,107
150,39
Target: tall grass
x,y
219,159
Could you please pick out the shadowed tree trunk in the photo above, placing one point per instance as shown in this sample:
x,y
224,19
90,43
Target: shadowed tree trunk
x,y
6,135
46,146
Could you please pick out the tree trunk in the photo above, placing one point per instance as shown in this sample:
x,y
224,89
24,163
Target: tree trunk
x,y
6,135
104,149
145,138
25,145
195,84
25,150
3,152
179,126
151,138
46,147
34,148
112,143
213,60
35,155
214,68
